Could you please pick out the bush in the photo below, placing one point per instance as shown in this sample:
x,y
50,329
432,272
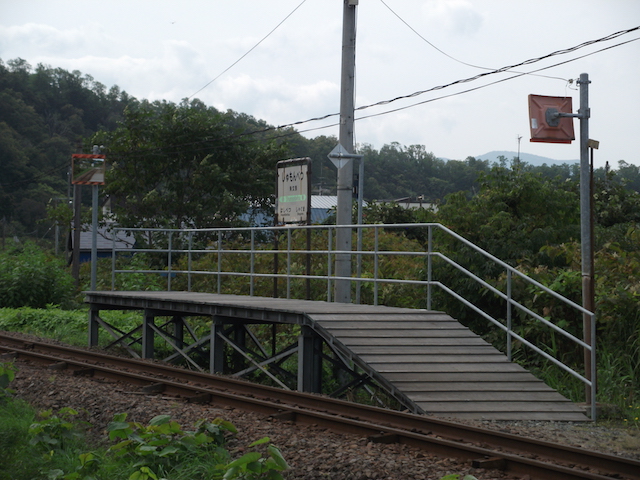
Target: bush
x,y
29,277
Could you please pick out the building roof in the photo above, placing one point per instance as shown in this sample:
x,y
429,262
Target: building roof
x,y
104,239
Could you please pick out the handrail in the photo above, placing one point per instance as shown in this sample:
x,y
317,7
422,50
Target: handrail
x,y
174,246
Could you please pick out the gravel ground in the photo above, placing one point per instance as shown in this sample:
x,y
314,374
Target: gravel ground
x,y
312,453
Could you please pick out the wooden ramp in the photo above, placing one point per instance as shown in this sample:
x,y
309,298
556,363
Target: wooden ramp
x,y
424,356
445,368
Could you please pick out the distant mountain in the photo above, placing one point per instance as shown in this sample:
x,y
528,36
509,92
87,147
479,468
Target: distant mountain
x,y
535,160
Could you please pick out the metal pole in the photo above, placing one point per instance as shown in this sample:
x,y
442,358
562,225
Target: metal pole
x,y
345,174
94,237
77,226
359,247
588,298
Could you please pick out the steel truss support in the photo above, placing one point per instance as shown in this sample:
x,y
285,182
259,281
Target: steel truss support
x,y
235,347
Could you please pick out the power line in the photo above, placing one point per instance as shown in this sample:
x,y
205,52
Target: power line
x,y
207,143
510,67
42,174
505,69
445,53
248,51
488,84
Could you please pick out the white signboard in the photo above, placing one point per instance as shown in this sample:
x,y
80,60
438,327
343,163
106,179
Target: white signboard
x,y
293,200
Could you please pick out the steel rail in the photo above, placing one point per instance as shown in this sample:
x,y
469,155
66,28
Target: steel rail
x,y
499,450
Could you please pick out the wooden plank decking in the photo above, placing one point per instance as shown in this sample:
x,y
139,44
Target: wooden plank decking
x,y
446,369
429,357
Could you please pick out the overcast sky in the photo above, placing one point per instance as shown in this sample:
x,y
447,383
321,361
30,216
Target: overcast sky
x,y
160,49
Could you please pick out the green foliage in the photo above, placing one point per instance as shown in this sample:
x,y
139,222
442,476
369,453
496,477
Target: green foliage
x,y
45,114
67,325
30,277
15,455
210,180
397,171
162,449
54,432
54,447
253,466
7,374
515,213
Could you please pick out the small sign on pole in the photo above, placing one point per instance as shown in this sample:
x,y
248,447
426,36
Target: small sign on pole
x,y
293,201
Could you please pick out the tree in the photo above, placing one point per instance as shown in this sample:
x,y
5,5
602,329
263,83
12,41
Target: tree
x,y
515,213
183,166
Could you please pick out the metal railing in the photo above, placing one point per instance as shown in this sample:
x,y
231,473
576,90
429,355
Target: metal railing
x,y
235,256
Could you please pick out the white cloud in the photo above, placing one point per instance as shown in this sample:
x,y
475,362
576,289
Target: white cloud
x,y
456,16
275,99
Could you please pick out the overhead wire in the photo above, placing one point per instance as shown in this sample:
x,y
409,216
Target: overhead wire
x,y
491,83
506,69
445,53
41,174
248,51
207,145
437,88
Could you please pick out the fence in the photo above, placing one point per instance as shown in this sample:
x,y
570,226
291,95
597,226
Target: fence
x,y
244,259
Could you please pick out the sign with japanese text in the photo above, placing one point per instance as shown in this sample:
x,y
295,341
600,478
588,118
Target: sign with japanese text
x,y
293,201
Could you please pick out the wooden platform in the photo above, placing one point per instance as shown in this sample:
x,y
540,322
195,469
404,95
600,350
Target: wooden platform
x,y
428,357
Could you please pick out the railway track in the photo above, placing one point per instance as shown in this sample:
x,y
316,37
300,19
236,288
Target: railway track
x,y
484,448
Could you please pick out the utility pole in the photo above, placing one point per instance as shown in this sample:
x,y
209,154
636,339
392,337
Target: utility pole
x,y
345,172
545,115
586,232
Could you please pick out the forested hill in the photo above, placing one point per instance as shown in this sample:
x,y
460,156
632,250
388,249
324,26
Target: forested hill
x,y
47,114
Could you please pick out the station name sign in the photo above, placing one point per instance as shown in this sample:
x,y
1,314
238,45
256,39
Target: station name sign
x,y
293,201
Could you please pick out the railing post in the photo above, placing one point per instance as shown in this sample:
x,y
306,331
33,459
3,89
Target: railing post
x,y
429,266
288,262
252,263
359,255
219,261
594,370
113,260
509,352
169,261
329,271
190,259
375,267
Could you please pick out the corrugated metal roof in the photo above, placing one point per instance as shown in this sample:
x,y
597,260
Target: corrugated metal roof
x,y
324,201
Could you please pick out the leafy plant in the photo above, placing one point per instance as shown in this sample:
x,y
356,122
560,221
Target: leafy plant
x,y
253,466
7,374
162,446
87,468
53,432
162,449
30,277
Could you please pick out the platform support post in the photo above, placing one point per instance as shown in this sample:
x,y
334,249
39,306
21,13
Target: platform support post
x,y
148,334
309,361
240,341
178,331
216,352
94,326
